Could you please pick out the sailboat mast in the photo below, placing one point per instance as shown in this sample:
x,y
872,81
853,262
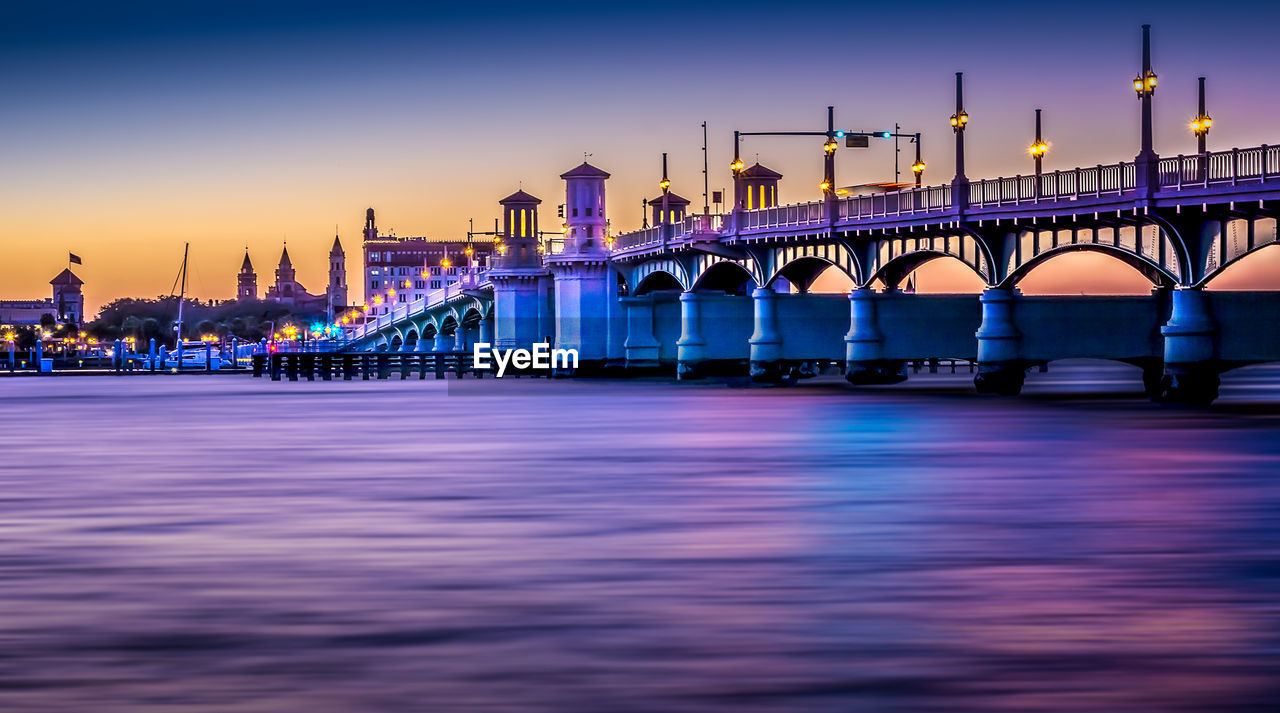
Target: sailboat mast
x,y
182,295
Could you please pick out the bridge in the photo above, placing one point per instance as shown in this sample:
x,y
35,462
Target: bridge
x,y
708,294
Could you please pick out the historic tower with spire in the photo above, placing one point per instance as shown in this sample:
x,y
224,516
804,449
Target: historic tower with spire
x,y
285,281
338,276
247,280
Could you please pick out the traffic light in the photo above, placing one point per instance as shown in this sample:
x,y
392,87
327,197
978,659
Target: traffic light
x,y
560,211
840,134
884,134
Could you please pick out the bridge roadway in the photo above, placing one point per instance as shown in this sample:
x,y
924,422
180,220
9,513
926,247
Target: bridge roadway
x,y
730,293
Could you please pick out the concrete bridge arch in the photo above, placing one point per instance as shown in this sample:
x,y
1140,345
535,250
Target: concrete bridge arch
x,y
801,264
896,257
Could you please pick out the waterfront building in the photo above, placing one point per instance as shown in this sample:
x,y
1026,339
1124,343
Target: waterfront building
x,y
65,305
400,270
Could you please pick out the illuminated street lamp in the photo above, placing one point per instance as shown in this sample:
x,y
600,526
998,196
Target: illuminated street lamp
x,y
1202,123
445,263
1144,85
918,167
1038,149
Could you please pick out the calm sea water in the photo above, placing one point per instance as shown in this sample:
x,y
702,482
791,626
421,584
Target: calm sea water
x,y
228,544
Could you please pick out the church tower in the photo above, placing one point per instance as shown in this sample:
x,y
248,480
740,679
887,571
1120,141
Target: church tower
x,y
338,276
370,226
285,278
246,281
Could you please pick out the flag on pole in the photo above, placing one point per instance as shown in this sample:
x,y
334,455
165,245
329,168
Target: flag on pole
x,y
74,259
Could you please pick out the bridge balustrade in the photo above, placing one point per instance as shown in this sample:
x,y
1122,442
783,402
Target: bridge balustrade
x,y
1220,167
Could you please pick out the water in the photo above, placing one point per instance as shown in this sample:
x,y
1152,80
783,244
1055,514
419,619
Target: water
x,y
227,544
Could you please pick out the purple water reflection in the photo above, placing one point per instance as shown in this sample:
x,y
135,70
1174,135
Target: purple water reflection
x,y
228,544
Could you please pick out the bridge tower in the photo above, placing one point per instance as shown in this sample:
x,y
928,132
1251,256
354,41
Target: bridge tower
x,y
521,288
759,186
584,283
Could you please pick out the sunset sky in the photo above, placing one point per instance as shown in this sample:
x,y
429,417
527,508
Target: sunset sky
x,y
128,130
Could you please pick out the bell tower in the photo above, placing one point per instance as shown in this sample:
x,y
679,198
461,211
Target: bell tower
x,y
370,226
337,278
247,280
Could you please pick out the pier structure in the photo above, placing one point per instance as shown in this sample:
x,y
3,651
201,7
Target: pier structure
x,y
708,294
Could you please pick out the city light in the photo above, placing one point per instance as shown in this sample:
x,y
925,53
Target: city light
x,y
1038,149
959,121
917,167
1145,85
445,263
664,184
1201,124
829,147
736,166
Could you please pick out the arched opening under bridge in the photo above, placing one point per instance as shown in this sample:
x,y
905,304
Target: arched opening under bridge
x,y
728,277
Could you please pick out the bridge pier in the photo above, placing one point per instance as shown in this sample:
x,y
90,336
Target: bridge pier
x,y
766,364
1000,371
691,348
641,348
1191,371
441,343
865,362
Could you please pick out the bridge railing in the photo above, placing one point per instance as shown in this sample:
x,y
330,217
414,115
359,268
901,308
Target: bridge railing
x,y
702,223
1216,168
783,216
892,203
639,238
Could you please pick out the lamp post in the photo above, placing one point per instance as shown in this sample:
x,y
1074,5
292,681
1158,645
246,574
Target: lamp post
x,y
736,168
918,167
1145,86
959,120
829,157
1038,149
1201,124
665,185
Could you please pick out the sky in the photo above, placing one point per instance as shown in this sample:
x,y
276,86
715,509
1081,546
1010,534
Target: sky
x,y
129,129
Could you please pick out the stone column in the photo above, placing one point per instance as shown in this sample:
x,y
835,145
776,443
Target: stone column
x,y
1000,371
766,341
486,329
691,348
1190,369
864,344
441,343
641,348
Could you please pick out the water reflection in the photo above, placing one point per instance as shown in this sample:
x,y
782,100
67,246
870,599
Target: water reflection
x,y
219,543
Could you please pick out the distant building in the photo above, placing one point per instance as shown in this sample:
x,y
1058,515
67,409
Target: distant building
x,y
288,291
247,281
66,304
402,270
